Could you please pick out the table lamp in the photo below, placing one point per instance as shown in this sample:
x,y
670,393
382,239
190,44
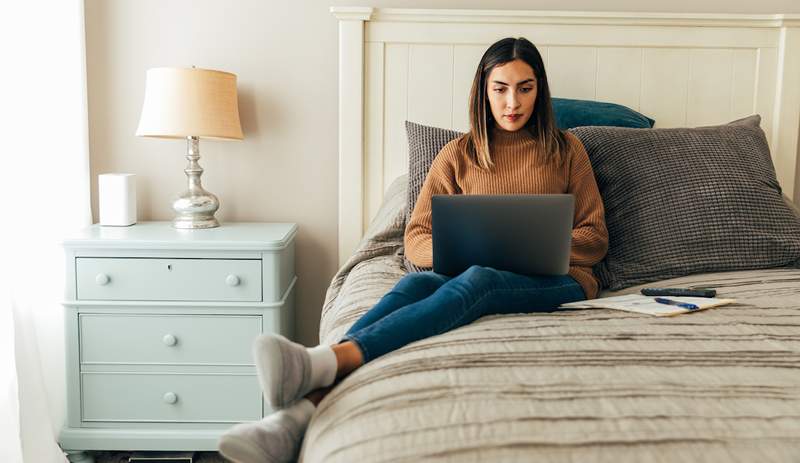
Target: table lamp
x,y
191,103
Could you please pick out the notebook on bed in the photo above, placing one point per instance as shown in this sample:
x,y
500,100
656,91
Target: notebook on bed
x,y
648,305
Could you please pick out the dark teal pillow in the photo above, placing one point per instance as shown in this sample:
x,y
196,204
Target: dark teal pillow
x,y
578,113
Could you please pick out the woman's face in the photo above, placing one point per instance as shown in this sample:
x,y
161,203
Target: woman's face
x,y
511,89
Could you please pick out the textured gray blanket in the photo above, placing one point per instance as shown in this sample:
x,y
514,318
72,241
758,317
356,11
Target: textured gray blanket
x,y
583,385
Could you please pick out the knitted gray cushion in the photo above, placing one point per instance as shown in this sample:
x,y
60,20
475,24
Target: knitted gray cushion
x,y
680,201
424,143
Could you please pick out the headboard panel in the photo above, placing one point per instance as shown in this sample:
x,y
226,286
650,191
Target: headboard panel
x,y
679,69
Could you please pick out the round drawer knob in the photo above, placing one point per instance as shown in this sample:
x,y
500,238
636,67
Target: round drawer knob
x,y
170,397
232,280
102,279
169,340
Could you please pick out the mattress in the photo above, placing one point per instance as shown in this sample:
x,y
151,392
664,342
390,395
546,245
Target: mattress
x,y
580,385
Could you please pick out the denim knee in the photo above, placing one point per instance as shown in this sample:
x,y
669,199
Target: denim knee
x,y
477,275
417,280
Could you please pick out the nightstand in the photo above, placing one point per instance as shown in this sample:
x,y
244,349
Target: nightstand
x,y
159,327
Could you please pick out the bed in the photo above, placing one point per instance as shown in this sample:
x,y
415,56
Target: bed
x,y
579,385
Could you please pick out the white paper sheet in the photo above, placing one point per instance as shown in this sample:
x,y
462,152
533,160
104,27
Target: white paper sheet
x,y
647,304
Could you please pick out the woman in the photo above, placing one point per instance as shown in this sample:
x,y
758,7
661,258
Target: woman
x,y
513,147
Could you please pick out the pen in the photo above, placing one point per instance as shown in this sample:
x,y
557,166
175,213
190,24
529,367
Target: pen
x,y
662,300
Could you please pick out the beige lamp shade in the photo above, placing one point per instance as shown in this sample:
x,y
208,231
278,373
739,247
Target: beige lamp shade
x,y
190,102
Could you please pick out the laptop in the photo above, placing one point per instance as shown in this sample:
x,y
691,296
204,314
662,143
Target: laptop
x,y
525,234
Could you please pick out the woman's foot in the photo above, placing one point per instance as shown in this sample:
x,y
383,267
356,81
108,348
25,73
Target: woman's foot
x,y
275,438
316,396
348,358
288,371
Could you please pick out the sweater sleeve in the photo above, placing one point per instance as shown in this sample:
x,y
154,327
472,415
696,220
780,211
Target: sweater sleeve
x,y
440,180
589,232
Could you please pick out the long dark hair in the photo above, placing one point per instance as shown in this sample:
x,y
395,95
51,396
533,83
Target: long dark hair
x,y
541,125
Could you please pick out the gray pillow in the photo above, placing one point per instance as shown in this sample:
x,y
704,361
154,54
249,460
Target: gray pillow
x,y
680,201
791,205
424,143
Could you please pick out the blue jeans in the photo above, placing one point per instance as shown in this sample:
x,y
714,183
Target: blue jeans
x,y
424,304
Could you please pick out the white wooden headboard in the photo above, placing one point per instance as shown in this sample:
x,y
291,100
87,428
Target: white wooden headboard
x,y
679,69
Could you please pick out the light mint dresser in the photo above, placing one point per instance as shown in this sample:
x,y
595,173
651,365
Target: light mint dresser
x,y
159,328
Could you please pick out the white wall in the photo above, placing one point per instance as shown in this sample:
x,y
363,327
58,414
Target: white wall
x,y
285,55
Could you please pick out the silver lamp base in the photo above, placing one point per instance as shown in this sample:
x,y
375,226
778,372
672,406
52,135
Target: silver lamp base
x,y
195,207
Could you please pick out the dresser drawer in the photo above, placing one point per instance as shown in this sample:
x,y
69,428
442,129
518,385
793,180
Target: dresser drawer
x,y
144,279
168,339
170,397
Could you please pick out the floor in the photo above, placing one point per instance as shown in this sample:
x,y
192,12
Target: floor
x,y
122,457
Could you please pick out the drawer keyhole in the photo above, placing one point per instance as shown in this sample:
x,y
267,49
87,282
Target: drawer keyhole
x,y
169,267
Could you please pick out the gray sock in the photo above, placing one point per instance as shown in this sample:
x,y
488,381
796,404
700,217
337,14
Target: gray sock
x,y
323,366
284,369
276,438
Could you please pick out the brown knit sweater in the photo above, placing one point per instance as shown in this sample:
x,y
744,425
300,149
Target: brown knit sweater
x,y
519,169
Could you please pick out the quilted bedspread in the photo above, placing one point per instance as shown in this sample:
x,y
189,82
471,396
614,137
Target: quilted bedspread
x,y
581,385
